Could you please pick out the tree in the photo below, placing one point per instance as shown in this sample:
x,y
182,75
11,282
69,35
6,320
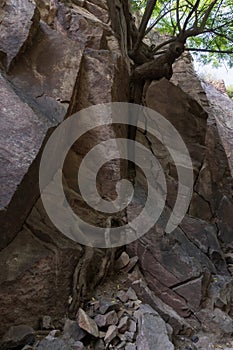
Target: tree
x,y
195,25
230,91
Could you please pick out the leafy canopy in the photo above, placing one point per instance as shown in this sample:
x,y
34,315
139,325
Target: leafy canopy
x,y
205,25
230,91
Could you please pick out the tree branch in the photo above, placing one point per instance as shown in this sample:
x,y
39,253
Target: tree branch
x,y
145,19
222,35
224,25
178,15
209,50
206,15
196,14
219,6
157,20
163,44
173,25
195,7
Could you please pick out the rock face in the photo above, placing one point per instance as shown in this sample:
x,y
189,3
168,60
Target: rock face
x,y
17,118
218,85
219,159
57,58
15,39
49,70
181,267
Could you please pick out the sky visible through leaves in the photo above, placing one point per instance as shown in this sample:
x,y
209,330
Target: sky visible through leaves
x,y
216,35
220,73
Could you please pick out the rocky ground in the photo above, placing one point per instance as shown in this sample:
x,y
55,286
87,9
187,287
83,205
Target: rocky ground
x,y
115,318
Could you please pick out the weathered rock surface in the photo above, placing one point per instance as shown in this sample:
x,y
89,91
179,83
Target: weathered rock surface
x,y
180,268
17,337
111,334
165,270
152,330
219,85
49,70
45,75
15,38
122,261
58,344
106,320
107,305
219,160
72,330
54,344
169,315
86,323
213,189
74,58
17,119
25,262
123,324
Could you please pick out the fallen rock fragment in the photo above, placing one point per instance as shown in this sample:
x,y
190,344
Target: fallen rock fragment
x,y
78,345
129,336
181,342
102,334
133,261
122,261
123,324
122,345
152,333
129,304
107,305
131,294
53,334
46,322
106,320
100,345
87,323
73,331
111,334
130,347
55,344
132,326
122,296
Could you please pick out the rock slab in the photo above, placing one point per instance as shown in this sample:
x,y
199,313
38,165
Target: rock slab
x,y
152,330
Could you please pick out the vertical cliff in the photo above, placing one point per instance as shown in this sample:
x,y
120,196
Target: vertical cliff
x,y
58,58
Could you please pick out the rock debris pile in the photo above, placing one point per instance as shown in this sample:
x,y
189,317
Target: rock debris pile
x,y
120,323
116,318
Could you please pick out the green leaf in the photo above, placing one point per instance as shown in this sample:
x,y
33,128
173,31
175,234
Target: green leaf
x,y
217,34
